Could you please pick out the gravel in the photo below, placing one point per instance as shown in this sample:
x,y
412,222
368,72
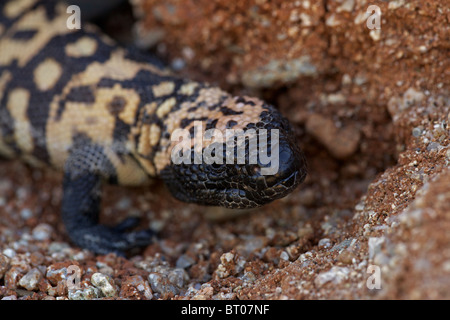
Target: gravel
x,y
372,117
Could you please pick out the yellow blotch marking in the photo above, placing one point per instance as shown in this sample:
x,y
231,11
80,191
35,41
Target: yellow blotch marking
x,y
83,47
163,89
155,134
150,107
144,149
47,74
165,107
148,166
117,68
149,138
144,141
14,8
211,96
128,171
188,88
24,50
162,159
128,114
17,105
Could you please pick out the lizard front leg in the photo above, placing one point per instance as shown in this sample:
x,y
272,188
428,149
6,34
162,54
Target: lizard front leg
x,y
85,169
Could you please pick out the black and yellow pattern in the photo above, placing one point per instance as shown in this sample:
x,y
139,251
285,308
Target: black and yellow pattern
x,y
74,100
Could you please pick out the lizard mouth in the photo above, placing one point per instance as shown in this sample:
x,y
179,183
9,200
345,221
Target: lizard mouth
x,y
247,198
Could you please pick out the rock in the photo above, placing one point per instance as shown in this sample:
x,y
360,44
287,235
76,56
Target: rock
x,y
347,257
105,284
9,253
335,275
325,243
340,142
135,287
184,262
161,284
57,273
278,71
375,246
396,105
87,293
42,232
230,264
4,265
31,280
12,276
284,256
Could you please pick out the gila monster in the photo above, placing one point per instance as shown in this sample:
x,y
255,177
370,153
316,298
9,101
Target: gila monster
x,y
75,101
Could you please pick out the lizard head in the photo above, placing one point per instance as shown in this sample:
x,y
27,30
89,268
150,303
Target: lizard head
x,y
244,156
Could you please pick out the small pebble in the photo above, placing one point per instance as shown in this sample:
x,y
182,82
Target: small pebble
x,y
58,274
416,132
178,277
4,265
42,232
10,253
11,276
31,280
104,283
56,247
26,213
178,64
346,257
88,293
341,142
335,275
284,256
375,246
184,262
124,204
433,146
161,283
137,286
325,243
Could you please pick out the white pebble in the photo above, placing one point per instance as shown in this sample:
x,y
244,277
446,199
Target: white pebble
x,y
104,283
375,246
284,256
335,275
42,232
10,253
31,280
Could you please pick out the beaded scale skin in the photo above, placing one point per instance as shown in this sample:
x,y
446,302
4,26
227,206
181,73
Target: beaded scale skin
x,y
75,101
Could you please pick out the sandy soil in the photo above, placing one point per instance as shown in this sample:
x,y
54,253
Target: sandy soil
x,y
370,109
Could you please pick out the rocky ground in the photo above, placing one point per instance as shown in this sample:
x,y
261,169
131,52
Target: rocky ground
x,y
370,109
